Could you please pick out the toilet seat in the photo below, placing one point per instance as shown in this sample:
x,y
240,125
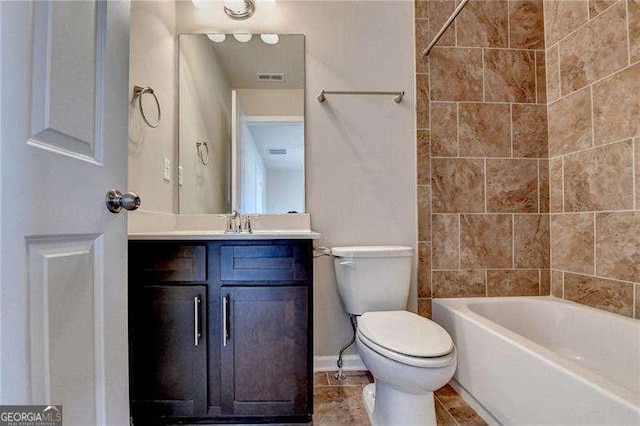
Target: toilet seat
x,y
407,338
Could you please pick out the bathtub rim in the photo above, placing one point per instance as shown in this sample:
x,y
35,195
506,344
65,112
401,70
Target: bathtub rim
x,y
460,306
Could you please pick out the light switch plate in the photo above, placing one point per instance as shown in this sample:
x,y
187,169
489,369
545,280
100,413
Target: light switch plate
x,y
180,176
166,170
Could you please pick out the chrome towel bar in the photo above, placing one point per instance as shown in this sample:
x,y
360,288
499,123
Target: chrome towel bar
x,y
138,91
397,99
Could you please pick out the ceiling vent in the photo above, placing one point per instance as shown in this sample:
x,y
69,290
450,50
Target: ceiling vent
x,y
271,77
277,151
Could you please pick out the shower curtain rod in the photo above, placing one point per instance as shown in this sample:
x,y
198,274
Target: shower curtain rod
x,y
446,25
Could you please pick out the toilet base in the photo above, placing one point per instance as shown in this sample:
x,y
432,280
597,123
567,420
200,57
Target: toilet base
x,y
387,406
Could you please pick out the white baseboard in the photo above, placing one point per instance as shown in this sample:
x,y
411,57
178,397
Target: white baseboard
x,y
328,363
469,399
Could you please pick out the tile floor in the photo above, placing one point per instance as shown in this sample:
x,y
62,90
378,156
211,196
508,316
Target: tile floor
x,y
340,403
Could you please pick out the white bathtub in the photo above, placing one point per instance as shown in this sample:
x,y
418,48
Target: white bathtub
x,y
545,361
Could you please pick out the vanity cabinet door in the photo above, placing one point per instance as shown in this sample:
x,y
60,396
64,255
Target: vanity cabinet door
x,y
265,350
168,348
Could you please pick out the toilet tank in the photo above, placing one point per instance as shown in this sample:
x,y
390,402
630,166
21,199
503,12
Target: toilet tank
x,y
373,278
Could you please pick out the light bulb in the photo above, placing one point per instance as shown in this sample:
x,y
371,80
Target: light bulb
x,y
243,37
270,38
217,37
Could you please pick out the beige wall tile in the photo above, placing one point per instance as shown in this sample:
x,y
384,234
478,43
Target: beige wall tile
x,y
562,16
456,74
484,130
422,40
445,236
512,186
553,73
422,102
531,240
572,242
424,213
486,241
529,131
616,109
483,23
545,282
612,296
634,29
458,185
618,245
599,178
598,6
515,282
557,282
424,157
510,75
459,283
444,129
526,24
424,307
421,9
555,185
541,78
570,123
439,11
543,185
595,50
424,269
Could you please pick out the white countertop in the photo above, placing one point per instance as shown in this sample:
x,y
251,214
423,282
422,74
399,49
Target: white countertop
x,y
220,235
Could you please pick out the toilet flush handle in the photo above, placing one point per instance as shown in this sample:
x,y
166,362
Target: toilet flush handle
x,y
348,263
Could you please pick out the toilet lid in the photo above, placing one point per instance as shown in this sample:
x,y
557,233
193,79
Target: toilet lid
x,y
406,333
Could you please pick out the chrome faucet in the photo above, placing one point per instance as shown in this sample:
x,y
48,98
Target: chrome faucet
x,y
238,223
232,223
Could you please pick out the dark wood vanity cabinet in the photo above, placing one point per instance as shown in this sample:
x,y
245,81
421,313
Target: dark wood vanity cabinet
x,y
220,331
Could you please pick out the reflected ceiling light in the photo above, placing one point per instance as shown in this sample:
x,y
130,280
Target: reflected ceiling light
x,y
270,38
217,37
242,37
239,9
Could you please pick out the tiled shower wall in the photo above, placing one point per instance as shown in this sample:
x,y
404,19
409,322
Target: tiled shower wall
x,y
482,151
593,89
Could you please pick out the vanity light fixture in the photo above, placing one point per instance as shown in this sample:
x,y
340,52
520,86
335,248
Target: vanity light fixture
x,y
239,10
217,37
270,38
242,37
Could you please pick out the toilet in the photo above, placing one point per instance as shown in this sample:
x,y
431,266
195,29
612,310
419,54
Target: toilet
x,y
408,355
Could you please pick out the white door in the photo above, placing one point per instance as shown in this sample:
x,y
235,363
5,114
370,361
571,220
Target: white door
x,y
63,304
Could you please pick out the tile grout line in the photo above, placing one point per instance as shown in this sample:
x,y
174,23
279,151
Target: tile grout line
x,y
459,241
595,238
457,129
511,127
592,83
484,96
634,182
584,24
513,240
562,181
593,121
535,67
626,5
555,157
485,185
446,410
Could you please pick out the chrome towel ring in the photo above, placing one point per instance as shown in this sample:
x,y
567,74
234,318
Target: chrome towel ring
x,y
138,91
203,154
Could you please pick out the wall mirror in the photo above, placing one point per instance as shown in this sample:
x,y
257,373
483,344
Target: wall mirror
x,y
241,123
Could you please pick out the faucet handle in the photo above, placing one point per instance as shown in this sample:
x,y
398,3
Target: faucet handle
x,y
245,224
